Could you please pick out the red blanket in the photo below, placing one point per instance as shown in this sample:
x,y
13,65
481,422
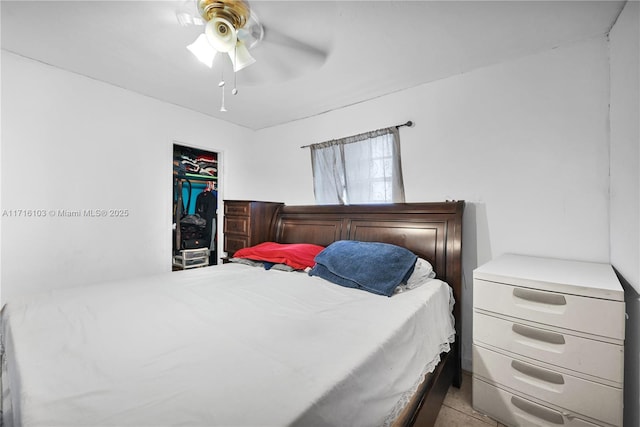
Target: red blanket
x,y
296,255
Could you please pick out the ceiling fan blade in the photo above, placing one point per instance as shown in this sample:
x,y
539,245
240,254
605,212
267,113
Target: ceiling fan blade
x,y
187,14
277,37
252,33
280,57
275,67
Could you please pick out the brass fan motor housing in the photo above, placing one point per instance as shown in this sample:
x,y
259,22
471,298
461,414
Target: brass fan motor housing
x,y
234,11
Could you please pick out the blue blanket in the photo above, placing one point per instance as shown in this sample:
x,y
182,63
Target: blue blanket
x,y
371,266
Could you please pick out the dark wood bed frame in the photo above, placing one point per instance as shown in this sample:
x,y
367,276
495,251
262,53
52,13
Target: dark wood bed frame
x,y
432,231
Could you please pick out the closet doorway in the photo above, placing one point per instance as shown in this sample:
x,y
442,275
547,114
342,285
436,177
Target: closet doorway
x,y
195,207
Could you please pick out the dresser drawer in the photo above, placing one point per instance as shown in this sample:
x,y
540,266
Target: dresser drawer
x,y
592,357
236,225
552,308
513,410
592,399
237,208
234,243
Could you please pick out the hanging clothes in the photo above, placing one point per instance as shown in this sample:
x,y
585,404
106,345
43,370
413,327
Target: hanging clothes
x,y
206,208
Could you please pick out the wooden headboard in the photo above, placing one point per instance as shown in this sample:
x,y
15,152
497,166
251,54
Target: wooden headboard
x,y
432,231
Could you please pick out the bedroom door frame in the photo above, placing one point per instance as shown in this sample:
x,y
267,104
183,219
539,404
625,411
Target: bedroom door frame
x,y
220,188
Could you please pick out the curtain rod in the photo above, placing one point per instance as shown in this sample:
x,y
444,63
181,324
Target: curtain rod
x,y
408,124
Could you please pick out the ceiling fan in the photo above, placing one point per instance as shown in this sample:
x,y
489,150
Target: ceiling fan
x,y
232,28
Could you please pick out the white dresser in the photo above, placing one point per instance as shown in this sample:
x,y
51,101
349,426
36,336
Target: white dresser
x,y
548,342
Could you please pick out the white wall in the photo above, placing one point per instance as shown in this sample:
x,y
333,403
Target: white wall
x,y
625,145
0,162
524,142
73,143
625,188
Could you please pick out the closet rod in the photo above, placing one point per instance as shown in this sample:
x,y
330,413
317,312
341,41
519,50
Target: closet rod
x,y
408,124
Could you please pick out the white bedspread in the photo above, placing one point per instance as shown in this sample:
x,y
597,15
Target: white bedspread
x,y
230,345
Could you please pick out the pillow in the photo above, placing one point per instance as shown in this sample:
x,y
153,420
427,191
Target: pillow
x,y
264,264
371,266
296,255
422,272
248,262
281,267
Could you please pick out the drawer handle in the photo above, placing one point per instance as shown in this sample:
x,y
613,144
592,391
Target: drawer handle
x,y
537,334
537,411
541,297
539,373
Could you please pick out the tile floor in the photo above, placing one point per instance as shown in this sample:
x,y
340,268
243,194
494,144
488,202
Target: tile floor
x,y
456,410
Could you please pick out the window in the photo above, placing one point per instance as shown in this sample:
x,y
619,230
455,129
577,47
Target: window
x,y
358,169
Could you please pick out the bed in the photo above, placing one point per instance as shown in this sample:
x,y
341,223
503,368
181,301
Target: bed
x,y
241,345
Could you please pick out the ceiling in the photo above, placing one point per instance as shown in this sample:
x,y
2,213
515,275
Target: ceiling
x,y
353,50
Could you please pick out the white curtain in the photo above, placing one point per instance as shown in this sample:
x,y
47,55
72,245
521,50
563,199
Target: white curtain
x,y
364,168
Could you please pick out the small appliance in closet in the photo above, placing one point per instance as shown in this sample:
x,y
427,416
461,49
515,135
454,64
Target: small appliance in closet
x,y
195,204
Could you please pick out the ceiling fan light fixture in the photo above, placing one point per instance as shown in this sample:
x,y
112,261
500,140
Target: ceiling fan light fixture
x,y
240,56
231,27
202,50
221,34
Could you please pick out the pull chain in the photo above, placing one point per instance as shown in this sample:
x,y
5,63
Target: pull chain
x,y
235,61
221,86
